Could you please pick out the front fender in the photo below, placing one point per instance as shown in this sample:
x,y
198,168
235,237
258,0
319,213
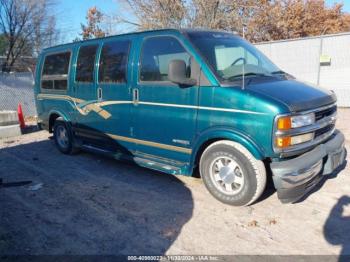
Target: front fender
x,y
229,134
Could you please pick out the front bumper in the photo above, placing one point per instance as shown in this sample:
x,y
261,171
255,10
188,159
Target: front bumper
x,y
294,178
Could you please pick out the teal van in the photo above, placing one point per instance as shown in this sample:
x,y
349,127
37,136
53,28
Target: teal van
x,y
178,100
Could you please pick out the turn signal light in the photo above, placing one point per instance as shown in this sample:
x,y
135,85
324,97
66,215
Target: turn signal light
x,y
284,123
283,142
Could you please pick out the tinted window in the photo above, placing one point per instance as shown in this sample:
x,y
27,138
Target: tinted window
x,y
86,63
55,71
47,84
113,62
56,64
157,52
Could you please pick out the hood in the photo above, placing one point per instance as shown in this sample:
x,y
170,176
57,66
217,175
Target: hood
x,y
297,96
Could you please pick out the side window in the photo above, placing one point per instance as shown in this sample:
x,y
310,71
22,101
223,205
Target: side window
x,y
86,63
55,71
113,62
157,52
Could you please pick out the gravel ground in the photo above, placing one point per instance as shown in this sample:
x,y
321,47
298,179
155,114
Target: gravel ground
x,y
93,205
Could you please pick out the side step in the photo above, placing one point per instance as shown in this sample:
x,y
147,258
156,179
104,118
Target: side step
x,y
157,166
151,164
96,149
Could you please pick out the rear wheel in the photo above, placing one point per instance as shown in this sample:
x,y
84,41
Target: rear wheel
x,y
232,174
63,137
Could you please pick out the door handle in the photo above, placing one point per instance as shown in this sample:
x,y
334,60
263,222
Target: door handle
x,y
135,94
99,93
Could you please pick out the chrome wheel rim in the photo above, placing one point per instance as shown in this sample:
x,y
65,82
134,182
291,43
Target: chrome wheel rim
x,y
227,175
62,137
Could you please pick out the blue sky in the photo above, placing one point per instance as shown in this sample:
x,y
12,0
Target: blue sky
x,y
72,12
345,2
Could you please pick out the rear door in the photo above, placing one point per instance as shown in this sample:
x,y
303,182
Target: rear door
x,y
164,113
85,88
115,92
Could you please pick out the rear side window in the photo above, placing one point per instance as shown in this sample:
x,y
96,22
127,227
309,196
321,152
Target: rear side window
x,y
113,62
157,52
86,63
55,71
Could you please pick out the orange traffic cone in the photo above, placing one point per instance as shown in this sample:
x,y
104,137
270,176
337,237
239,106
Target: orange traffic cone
x,y
22,124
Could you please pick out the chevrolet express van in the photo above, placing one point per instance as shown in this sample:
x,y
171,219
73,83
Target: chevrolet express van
x,y
173,100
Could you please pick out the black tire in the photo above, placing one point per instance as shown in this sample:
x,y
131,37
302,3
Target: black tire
x,y
235,162
68,147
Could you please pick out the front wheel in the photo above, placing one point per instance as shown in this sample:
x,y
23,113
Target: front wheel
x,y
232,174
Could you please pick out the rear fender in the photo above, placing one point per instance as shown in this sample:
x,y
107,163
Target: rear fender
x,y
64,116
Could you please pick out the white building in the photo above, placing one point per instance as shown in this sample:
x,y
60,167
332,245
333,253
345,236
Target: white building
x,y
323,61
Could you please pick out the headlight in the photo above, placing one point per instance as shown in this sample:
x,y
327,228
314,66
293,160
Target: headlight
x,y
286,141
301,138
288,122
286,125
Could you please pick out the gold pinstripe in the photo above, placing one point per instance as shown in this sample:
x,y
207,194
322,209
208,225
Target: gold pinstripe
x,y
107,103
152,144
202,108
85,110
96,107
59,97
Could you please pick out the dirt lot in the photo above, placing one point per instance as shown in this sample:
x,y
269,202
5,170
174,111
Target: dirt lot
x,y
92,205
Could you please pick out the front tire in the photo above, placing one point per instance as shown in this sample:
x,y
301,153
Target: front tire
x,y
232,174
63,137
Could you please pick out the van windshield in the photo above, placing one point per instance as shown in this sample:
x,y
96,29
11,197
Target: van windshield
x,y
231,57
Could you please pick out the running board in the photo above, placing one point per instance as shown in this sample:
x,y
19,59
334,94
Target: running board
x,y
151,164
96,149
157,166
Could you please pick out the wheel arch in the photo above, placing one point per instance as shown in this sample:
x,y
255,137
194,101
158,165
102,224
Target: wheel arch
x,y
53,115
212,136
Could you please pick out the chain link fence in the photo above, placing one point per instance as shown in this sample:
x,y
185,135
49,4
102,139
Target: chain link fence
x,y
17,88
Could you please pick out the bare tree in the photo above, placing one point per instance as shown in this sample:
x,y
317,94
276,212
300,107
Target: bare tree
x,y
206,13
285,19
257,20
215,14
45,32
158,13
22,24
223,14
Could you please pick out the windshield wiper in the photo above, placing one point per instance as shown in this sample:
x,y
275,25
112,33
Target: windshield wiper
x,y
283,74
246,74
242,76
279,72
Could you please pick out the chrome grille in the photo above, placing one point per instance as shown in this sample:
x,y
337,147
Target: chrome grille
x,y
323,128
326,112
